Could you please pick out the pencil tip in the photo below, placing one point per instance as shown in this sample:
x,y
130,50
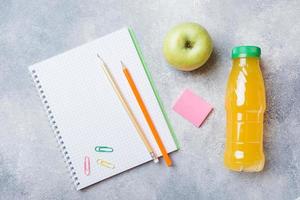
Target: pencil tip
x,y
123,65
100,58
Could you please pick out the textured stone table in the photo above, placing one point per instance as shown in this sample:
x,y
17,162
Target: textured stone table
x,y
31,167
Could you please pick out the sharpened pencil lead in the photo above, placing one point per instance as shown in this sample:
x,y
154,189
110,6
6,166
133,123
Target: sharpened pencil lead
x,y
100,59
123,65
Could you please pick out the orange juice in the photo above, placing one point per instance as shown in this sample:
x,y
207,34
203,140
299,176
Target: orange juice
x,y
245,105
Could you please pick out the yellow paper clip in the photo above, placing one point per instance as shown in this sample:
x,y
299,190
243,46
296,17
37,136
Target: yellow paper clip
x,y
105,163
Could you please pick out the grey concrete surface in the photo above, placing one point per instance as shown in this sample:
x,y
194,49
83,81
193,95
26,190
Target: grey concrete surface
x,y
31,166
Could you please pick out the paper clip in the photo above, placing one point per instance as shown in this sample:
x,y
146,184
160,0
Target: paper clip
x,y
87,166
103,149
105,163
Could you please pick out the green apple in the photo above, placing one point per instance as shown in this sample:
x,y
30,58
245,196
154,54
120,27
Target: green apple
x,y
187,46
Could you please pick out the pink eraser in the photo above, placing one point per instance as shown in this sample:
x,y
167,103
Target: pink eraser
x,y
192,107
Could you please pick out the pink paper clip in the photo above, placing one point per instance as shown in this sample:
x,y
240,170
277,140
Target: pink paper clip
x,y
87,166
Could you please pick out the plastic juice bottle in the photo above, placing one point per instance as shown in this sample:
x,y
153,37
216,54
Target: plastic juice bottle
x,y
245,105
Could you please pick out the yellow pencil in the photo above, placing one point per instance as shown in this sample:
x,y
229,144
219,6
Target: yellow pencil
x,y
128,109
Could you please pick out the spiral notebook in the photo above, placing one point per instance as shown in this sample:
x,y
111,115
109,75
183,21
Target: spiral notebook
x,y
85,112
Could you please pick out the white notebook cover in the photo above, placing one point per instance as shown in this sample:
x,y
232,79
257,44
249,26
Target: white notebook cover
x,y
85,112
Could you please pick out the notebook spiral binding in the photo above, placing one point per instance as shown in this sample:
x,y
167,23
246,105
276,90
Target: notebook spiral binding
x,y
55,128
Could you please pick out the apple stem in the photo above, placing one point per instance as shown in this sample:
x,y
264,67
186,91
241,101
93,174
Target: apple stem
x,y
188,44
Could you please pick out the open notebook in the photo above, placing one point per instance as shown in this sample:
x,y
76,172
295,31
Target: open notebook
x,y
85,112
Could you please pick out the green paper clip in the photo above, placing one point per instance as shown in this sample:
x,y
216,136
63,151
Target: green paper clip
x,y
103,149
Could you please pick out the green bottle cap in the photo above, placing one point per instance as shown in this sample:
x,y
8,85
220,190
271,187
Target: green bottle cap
x,y
245,51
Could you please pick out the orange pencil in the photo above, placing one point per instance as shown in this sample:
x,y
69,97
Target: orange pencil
x,y
146,115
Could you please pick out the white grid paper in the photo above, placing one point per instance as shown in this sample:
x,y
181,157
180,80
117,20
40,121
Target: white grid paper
x,y
88,112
